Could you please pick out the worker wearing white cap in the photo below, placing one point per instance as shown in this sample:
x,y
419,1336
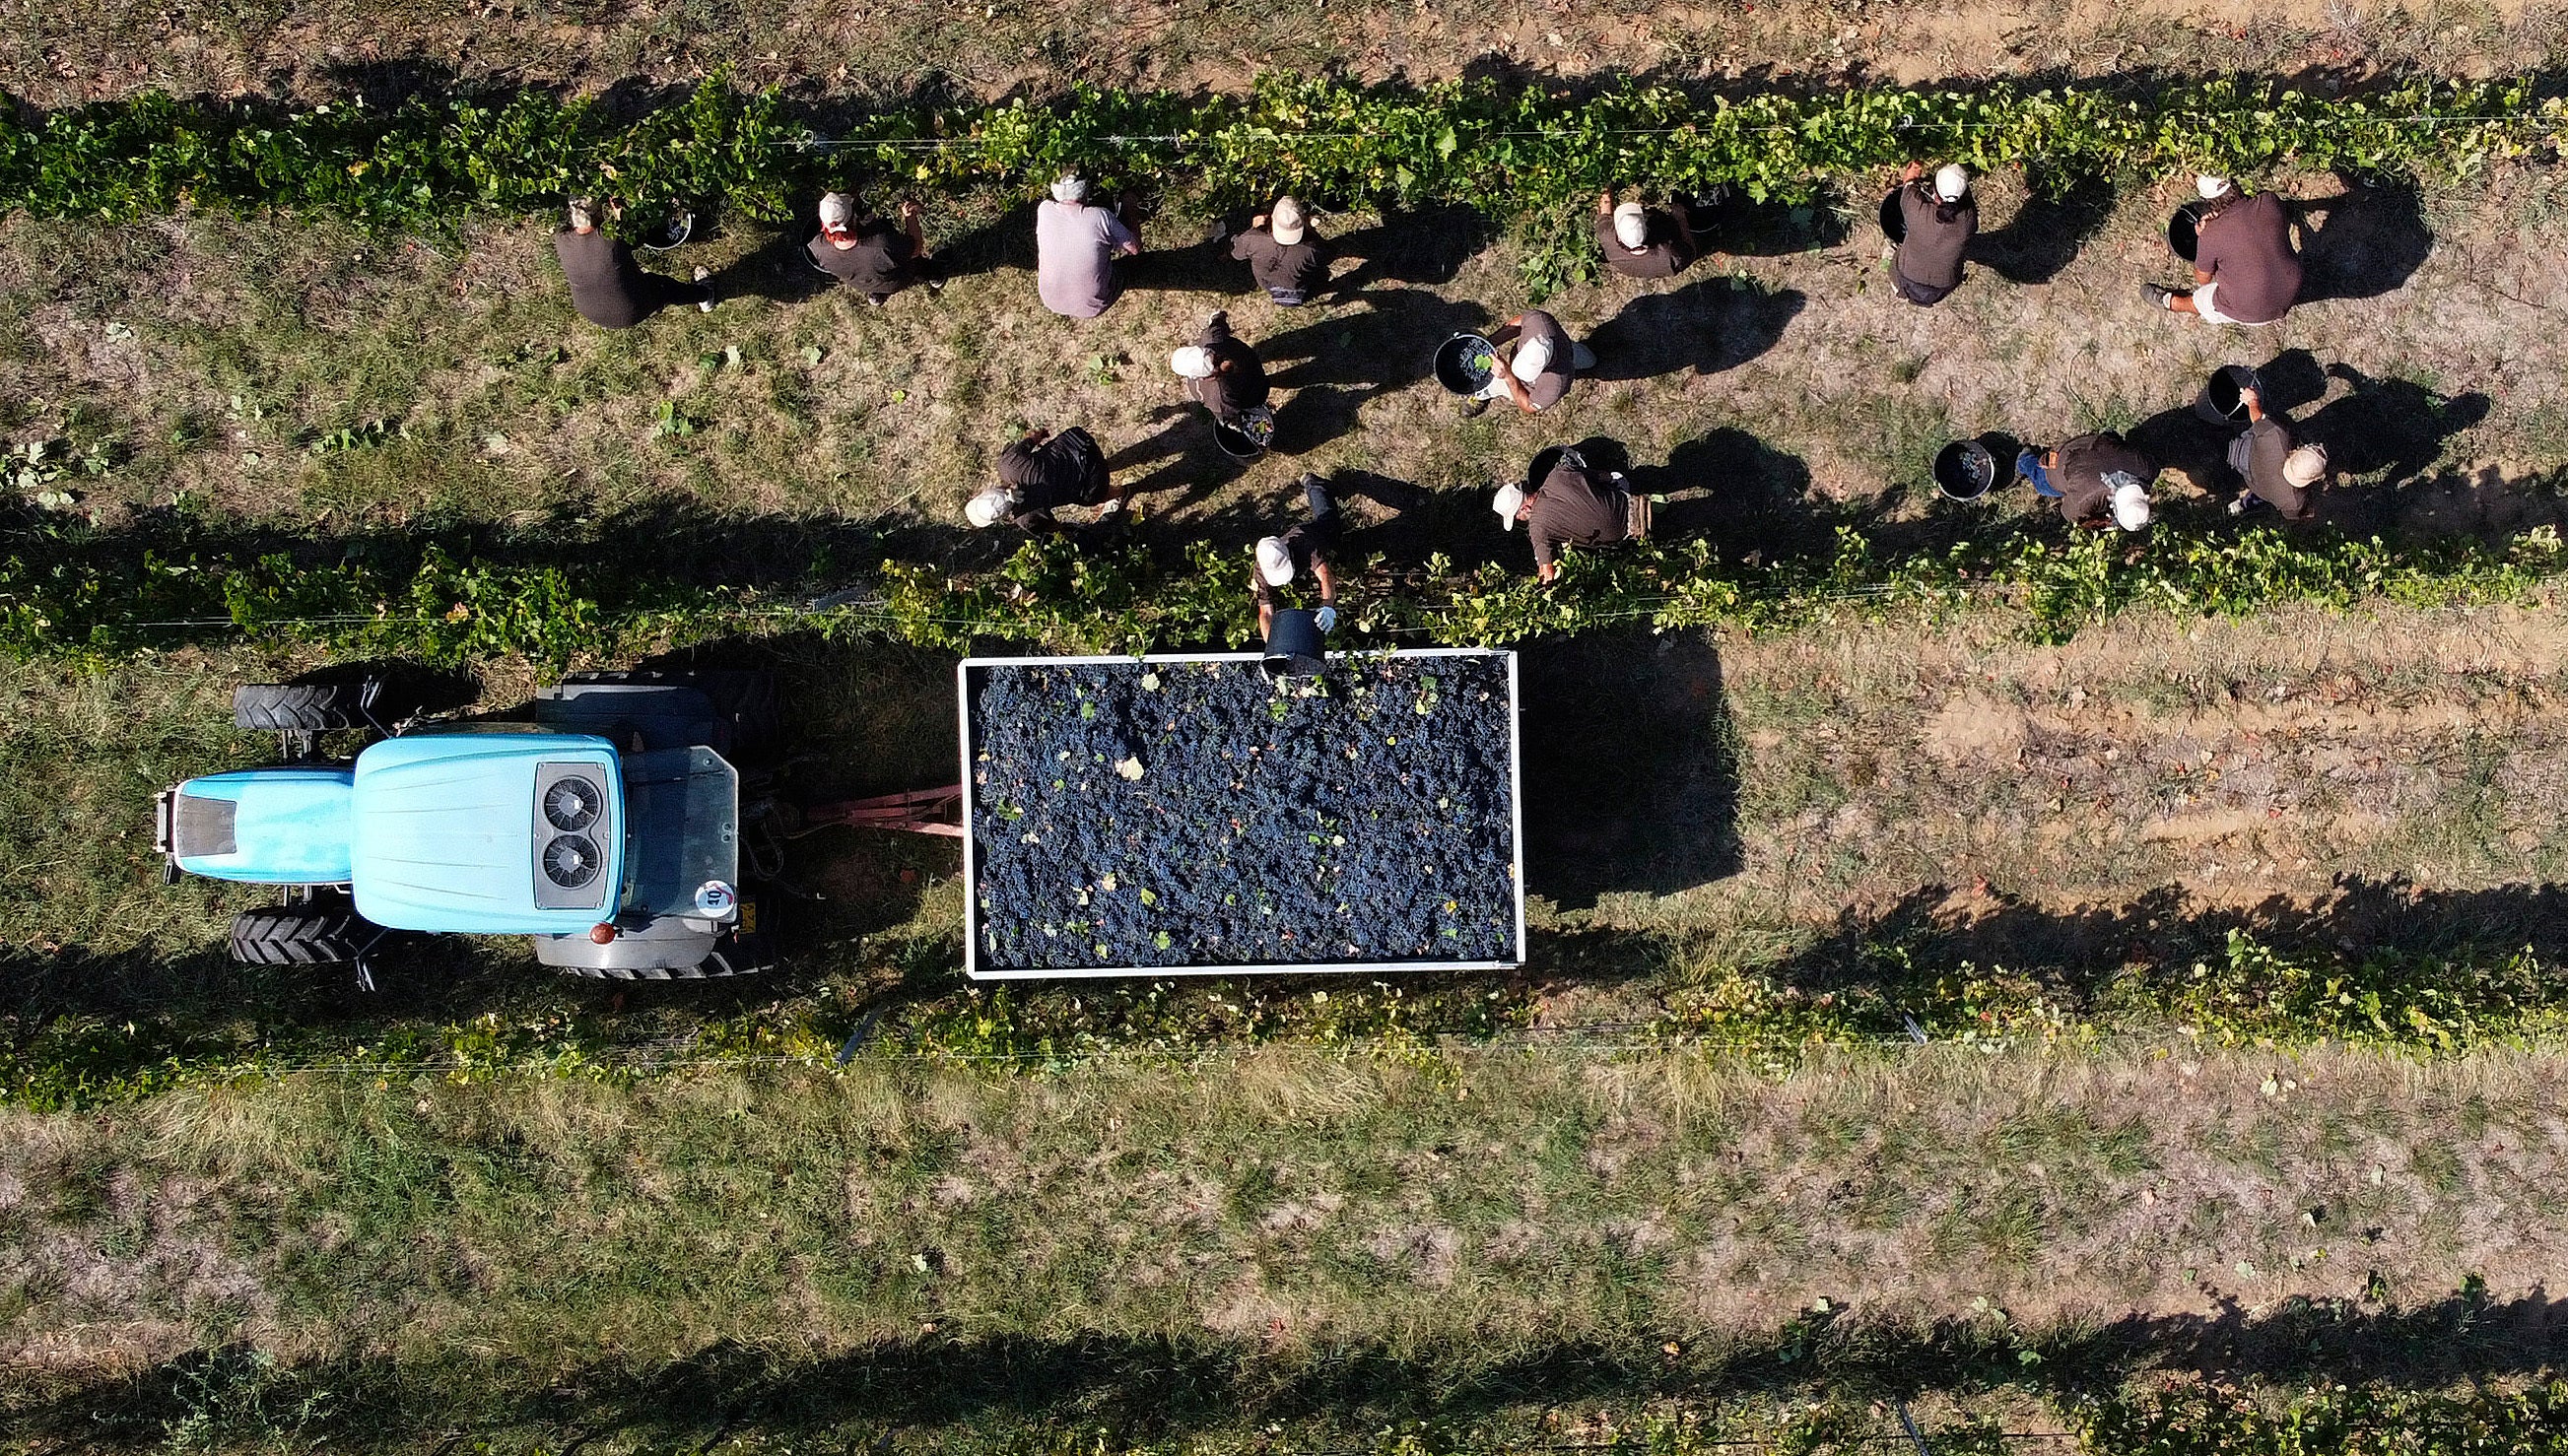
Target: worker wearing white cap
x,y
1220,371
1284,255
1644,242
1537,375
1938,219
2098,481
1573,504
609,288
1076,244
2279,470
2245,270
870,255
1304,548
1042,473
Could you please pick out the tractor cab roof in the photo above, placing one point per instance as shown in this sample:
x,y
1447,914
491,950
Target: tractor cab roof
x,y
488,833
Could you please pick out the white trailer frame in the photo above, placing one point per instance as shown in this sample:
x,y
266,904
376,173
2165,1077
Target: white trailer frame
x,y
971,870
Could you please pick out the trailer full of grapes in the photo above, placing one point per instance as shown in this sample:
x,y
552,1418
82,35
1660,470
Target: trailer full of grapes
x,y
1185,814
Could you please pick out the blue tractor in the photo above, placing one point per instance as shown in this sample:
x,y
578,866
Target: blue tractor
x,y
603,820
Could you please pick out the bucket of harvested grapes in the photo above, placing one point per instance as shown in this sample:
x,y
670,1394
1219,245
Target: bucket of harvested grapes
x,y
1246,436
1894,223
2184,231
1466,362
1964,471
669,231
2221,401
1295,645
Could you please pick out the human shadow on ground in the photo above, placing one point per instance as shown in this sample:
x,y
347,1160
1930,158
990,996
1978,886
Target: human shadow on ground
x,y
2384,440
1742,227
1183,454
1129,1391
2047,233
1333,366
1706,326
2373,238
1750,497
1630,760
1425,248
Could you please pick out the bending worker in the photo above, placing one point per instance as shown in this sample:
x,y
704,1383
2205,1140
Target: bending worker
x,y
1537,375
2244,268
1644,242
1304,548
1574,504
1221,372
1936,227
2279,472
2098,481
607,286
1284,256
1043,472
872,256
1076,244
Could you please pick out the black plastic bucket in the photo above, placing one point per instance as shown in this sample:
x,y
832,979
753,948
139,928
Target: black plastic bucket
x,y
1894,222
1247,437
676,229
1295,645
2219,404
1545,460
1964,471
2184,232
1466,362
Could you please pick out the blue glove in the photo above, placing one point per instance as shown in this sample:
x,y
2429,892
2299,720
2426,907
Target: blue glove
x,y
1328,618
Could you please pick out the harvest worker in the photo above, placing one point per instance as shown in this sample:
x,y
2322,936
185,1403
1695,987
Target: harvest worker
x,y
1076,245
1574,504
1937,224
2244,269
1043,472
2279,470
872,256
1221,372
1284,256
1306,547
2098,481
607,286
1644,242
1545,360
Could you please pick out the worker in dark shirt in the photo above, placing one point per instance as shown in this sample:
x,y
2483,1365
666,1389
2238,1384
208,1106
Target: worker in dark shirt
x,y
1043,472
2279,470
2098,481
1304,548
1221,372
1644,242
2244,268
872,256
1573,505
1937,224
1537,375
607,286
1285,257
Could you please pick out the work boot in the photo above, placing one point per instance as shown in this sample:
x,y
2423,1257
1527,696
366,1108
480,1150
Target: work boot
x,y
705,305
2158,294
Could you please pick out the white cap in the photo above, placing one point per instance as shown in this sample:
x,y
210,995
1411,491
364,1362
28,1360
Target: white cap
x,y
1071,188
1284,223
1274,561
583,214
1511,498
837,209
1532,357
1632,225
2131,504
2210,187
989,507
1192,362
2305,466
1952,181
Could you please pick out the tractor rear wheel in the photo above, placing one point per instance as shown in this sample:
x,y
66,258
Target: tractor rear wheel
x,y
299,708
326,931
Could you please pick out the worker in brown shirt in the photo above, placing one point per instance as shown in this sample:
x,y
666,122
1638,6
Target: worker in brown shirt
x,y
870,255
2244,268
1574,506
607,286
1937,224
1537,375
2279,470
1285,257
1220,370
1644,242
1043,472
2098,481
